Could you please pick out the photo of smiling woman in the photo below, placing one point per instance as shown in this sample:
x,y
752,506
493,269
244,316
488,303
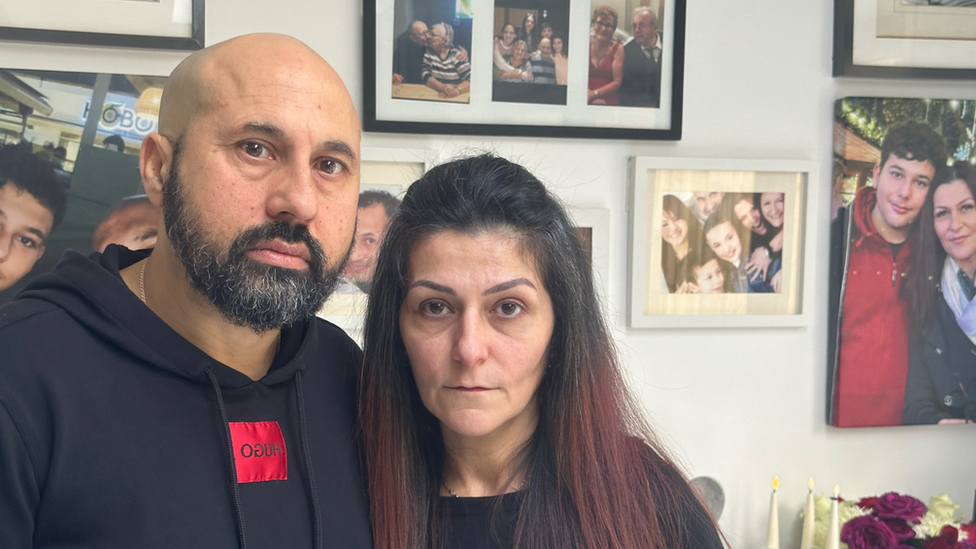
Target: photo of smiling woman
x,y
941,384
499,415
681,240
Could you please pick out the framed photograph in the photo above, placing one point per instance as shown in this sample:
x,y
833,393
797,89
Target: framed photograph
x,y
718,243
900,262
593,228
92,142
385,176
548,68
905,38
153,24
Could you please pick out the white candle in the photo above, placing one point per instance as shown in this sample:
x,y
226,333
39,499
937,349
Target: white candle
x,y
833,527
772,532
806,539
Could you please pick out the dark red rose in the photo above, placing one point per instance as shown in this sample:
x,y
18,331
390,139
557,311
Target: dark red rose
x,y
970,529
896,506
945,540
867,503
899,528
867,533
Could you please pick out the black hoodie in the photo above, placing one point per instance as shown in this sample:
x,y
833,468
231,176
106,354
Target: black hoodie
x,y
117,432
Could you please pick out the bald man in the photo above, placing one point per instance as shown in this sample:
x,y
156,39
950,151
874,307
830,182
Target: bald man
x,y
187,397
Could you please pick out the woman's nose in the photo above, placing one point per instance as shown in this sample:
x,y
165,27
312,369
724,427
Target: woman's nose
x,y
471,347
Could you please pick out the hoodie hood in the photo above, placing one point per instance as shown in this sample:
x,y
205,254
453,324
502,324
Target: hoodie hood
x,y
92,291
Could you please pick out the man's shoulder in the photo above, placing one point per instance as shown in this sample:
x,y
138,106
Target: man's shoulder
x,y
334,344
22,314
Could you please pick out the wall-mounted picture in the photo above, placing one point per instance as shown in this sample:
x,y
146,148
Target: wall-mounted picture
x,y
156,24
905,38
85,130
717,242
554,68
626,50
593,229
385,175
902,263
530,46
431,51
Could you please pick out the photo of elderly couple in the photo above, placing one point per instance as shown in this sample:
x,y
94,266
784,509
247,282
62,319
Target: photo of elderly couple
x,y
902,265
529,54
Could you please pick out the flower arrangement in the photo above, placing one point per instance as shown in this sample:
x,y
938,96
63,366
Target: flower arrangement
x,y
894,521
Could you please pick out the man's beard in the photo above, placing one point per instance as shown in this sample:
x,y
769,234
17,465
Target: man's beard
x,y
247,292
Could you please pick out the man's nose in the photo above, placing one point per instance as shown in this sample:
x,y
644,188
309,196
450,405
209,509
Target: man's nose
x,y
293,197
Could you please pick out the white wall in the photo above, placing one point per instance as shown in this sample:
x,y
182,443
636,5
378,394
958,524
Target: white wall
x,y
738,405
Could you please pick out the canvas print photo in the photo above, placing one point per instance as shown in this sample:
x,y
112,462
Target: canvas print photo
x,y
902,262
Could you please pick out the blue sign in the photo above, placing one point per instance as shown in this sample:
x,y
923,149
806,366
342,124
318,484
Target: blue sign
x,y
119,117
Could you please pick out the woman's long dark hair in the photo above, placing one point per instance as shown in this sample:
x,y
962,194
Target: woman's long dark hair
x,y
530,37
928,255
673,275
596,478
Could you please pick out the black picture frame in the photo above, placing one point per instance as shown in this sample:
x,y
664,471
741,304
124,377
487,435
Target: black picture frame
x,y
373,123
191,43
843,61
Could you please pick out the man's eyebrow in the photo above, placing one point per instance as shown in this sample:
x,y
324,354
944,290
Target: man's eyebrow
x,y
509,285
39,233
267,129
433,286
340,147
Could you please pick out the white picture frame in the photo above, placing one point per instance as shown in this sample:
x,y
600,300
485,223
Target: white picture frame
x,y
158,24
652,306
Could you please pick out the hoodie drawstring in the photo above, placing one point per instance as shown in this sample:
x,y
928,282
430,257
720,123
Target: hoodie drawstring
x,y
229,446
307,464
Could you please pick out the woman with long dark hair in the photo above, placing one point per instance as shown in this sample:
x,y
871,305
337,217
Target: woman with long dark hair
x,y
497,412
529,33
681,238
941,381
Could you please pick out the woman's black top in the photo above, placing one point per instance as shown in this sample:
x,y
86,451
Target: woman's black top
x,y
489,523
481,523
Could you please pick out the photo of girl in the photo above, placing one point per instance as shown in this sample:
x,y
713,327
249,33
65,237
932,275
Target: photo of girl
x,y
725,235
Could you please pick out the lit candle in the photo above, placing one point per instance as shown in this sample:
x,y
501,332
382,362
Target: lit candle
x,y
772,533
806,539
833,527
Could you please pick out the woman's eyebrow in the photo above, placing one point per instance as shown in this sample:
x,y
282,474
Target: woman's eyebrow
x,y
508,285
433,286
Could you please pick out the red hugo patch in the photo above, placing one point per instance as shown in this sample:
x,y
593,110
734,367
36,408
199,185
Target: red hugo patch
x,y
259,451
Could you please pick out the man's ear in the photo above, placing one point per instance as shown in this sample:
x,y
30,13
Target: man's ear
x,y
155,161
